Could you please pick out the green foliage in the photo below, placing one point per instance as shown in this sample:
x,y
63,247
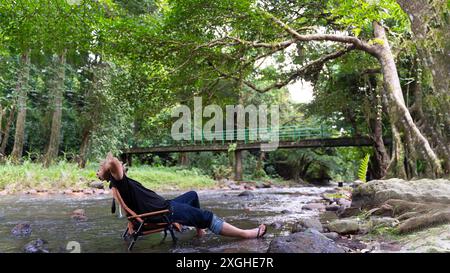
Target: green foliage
x,y
215,165
222,171
358,15
130,62
362,171
170,178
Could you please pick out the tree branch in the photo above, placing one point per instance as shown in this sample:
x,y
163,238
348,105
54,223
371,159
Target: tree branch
x,y
325,37
313,66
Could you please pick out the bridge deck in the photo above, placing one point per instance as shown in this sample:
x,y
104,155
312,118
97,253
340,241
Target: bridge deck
x,y
305,143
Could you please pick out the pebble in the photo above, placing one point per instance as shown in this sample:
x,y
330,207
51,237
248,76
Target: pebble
x,y
22,229
36,246
79,215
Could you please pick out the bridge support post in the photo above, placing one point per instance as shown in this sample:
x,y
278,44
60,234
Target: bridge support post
x,y
238,165
126,158
184,159
260,162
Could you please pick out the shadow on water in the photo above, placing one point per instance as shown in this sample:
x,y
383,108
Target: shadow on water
x,y
50,220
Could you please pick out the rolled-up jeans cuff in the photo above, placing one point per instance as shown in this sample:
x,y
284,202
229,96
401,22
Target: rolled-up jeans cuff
x,y
216,225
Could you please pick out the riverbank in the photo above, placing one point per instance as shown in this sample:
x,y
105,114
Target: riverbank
x,y
68,178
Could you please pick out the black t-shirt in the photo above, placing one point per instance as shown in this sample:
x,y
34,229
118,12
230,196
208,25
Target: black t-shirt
x,y
137,197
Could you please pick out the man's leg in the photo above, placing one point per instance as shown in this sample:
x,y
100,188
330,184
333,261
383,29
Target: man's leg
x,y
232,231
201,219
190,198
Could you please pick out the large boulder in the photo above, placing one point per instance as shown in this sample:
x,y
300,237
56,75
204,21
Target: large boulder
x,y
374,193
310,241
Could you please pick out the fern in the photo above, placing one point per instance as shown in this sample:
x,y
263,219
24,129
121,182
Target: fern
x,y
362,171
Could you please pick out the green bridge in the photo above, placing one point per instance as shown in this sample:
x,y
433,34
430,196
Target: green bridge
x,y
238,140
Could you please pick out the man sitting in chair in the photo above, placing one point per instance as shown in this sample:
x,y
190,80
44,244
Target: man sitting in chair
x,y
184,209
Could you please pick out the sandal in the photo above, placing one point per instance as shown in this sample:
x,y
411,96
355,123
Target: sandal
x,y
262,234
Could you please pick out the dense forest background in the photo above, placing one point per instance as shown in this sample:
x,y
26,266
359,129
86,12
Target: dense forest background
x,y
81,78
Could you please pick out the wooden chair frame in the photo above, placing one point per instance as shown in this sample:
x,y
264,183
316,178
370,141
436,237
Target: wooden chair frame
x,y
142,224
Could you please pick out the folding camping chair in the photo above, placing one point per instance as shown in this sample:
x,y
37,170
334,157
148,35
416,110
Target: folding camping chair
x,y
146,223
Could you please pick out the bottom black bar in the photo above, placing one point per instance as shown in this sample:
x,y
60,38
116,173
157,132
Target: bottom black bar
x,y
220,262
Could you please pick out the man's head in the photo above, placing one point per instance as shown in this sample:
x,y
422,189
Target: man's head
x,y
104,170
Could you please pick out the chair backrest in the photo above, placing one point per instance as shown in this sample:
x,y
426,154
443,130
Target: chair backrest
x,y
118,198
154,217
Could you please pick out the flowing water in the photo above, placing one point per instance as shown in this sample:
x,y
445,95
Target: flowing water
x,y
50,220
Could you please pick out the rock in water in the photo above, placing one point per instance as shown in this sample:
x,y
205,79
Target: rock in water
x,y
36,246
376,192
304,224
383,221
79,215
332,207
348,212
331,235
344,226
314,206
304,242
21,230
277,225
97,185
247,194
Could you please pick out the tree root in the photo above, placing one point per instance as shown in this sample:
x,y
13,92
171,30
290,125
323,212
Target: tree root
x,y
424,221
414,216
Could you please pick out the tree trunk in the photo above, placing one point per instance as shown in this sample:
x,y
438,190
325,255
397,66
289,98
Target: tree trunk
x,y
441,146
432,39
6,131
396,167
22,91
381,157
411,158
57,87
400,111
85,139
2,114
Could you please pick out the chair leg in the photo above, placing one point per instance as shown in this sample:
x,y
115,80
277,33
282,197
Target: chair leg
x,y
135,236
172,234
165,235
125,233
130,247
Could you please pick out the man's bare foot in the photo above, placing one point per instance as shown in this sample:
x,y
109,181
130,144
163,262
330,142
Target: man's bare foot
x,y
200,232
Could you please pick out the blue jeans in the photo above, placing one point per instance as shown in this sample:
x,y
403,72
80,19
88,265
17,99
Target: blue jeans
x,y
185,209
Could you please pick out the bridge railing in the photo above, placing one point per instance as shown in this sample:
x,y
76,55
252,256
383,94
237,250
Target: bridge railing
x,y
247,135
